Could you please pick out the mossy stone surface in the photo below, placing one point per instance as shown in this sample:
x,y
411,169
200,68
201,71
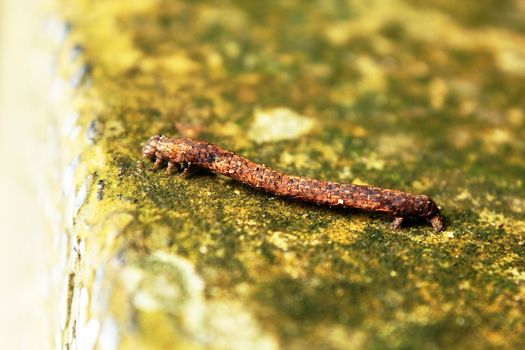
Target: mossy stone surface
x,y
424,97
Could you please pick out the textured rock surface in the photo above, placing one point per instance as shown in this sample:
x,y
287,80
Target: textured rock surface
x,y
425,97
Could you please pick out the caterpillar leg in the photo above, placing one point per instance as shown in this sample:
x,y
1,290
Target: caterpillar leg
x,y
437,222
157,164
188,170
396,224
169,169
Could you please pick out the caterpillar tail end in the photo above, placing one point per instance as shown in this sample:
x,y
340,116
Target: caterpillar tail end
x,y
437,222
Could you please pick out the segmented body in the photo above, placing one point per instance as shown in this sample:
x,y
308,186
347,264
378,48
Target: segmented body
x,y
189,152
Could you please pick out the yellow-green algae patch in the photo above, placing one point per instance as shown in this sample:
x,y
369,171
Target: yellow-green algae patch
x,y
278,124
397,94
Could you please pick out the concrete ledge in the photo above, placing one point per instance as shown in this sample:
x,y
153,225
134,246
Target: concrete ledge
x,y
415,98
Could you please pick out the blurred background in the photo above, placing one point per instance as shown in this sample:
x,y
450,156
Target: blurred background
x,y
26,253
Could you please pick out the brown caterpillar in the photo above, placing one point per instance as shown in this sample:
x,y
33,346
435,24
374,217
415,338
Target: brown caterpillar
x,y
188,152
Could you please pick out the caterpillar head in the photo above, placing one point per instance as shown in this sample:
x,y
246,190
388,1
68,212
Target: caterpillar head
x,y
149,149
172,150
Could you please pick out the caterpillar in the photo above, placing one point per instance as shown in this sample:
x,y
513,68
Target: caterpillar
x,y
190,153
